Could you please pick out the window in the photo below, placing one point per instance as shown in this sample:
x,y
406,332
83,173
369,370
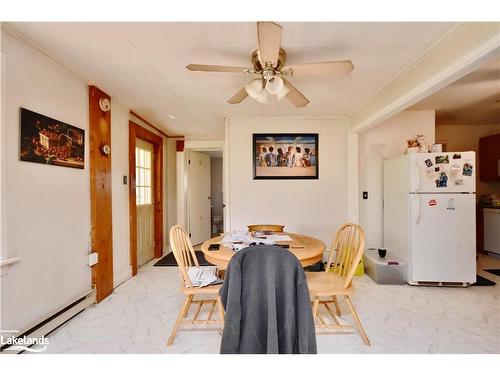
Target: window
x,y
143,180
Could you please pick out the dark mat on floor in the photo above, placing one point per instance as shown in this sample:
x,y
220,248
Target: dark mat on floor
x,y
494,272
318,267
482,281
169,260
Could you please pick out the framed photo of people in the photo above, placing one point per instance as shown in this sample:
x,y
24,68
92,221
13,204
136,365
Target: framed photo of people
x,y
280,156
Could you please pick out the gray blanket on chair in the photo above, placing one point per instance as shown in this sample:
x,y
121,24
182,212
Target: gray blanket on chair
x,y
267,303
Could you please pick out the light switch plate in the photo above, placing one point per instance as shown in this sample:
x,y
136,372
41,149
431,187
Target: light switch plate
x,y
93,259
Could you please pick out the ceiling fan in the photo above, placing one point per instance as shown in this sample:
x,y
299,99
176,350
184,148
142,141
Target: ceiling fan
x,y
269,66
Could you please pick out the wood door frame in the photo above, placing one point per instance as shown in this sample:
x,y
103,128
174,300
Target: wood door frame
x,y
136,131
101,214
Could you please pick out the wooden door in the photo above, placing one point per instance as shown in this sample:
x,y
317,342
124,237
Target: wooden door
x,y
100,193
199,197
136,134
144,175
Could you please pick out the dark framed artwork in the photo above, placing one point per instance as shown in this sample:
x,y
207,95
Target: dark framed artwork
x,y
285,156
48,141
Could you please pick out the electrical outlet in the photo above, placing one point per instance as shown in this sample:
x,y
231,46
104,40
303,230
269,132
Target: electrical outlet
x,y
365,195
93,259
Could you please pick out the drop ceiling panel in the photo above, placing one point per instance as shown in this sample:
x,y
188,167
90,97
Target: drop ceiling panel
x,y
143,64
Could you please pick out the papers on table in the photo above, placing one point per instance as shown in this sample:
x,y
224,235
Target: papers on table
x,y
203,276
279,237
239,239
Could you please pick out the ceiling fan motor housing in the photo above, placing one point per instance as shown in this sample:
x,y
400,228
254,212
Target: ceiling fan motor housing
x,y
260,65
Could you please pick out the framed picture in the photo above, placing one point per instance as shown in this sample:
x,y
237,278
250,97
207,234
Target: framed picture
x,y
280,156
48,141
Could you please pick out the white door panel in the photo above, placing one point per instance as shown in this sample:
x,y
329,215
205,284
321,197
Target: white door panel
x,y
443,239
199,197
144,200
445,172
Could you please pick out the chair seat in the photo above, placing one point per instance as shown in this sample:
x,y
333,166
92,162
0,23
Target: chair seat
x,y
324,284
210,289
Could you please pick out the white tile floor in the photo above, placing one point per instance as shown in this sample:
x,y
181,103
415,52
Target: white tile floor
x,y
138,318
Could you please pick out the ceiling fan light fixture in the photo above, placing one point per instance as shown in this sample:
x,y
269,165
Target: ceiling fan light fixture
x,y
282,93
263,97
274,85
254,88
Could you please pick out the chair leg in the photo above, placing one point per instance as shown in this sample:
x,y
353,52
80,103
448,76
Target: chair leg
x,y
337,307
315,307
182,314
358,322
221,310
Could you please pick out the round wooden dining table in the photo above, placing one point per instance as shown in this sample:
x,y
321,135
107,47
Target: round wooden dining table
x,y
308,250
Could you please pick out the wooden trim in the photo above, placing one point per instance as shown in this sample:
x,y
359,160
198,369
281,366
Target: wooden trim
x,y
154,126
100,194
136,131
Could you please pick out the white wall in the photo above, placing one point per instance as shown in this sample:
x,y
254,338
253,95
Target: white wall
x,y
47,208
385,141
313,207
466,138
122,269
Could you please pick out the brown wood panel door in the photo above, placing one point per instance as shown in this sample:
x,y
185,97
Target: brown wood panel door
x,y
100,193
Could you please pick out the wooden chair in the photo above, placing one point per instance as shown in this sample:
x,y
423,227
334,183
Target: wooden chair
x,y
266,227
349,244
185,256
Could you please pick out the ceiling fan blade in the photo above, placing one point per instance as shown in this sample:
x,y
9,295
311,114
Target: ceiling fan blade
x,y
328,67
238,97
217,68
269,37
295,96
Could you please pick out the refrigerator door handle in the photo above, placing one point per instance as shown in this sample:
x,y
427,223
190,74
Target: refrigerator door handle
x,y
417,209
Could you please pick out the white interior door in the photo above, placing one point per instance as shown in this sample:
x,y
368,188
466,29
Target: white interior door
x,y
144,153
199,197
443,237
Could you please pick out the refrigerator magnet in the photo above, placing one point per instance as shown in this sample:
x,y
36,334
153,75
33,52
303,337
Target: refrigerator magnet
x,y
467,171
457,156
451,204
432,203
459,182
428,162
442,159
442,181
436,169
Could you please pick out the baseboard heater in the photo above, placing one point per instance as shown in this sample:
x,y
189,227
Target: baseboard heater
x,y
54,321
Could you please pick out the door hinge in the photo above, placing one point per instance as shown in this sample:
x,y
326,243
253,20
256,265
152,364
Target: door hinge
x,y
189,161
189,235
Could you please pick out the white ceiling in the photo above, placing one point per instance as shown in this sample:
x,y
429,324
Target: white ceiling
x,y
472,100
142,65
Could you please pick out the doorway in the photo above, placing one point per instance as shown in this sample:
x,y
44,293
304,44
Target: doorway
x,y
145,196
144,174
205,194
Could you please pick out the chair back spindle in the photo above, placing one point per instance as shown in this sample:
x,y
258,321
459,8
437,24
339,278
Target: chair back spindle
x,y
348,246
183,252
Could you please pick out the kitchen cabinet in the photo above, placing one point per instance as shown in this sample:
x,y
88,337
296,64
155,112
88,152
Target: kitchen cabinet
x,y
489,158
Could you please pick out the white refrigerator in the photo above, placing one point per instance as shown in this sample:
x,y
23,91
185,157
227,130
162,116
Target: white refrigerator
x,y
429,216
